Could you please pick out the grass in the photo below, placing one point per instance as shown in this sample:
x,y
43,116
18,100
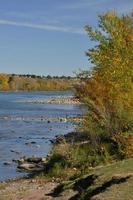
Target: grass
x,y
2,186
74,159
99,172
111,182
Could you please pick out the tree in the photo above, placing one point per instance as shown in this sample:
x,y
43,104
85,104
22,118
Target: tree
x,y
108,89
4,82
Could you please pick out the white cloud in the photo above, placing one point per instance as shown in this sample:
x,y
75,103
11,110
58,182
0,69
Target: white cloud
x,y
42,26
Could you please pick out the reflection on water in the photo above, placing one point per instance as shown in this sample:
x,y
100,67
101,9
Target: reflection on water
x,y
25,128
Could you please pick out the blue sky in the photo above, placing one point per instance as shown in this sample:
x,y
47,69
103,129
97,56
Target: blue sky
x,y
47,36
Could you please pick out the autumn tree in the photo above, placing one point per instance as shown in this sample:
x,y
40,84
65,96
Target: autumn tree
x,y
4,82
107,89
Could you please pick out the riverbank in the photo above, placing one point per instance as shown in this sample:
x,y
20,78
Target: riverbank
x,y
20,82
110,182
106,181
26,189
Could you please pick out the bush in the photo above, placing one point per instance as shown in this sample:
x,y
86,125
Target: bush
x,y
124,145
56,164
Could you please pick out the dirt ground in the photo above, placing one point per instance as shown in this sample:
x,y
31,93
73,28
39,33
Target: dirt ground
x,y
31,189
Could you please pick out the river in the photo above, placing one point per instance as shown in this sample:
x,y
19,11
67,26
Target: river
x,y
26,128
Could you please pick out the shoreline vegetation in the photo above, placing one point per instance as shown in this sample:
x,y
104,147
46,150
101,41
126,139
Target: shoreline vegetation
x,y
94,162
19,82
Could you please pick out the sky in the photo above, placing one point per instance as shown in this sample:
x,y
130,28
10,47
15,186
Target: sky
x,y
47,36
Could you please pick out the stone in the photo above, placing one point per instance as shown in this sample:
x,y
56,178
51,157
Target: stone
x,y
44,159
7,163
33,142
26,166
34,159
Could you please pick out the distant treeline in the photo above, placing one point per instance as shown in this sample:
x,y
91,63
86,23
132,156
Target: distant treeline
x,y
31,82
43,77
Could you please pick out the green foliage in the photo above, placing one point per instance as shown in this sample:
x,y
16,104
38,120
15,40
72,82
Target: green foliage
x,y
56,164
72,160
69,161
84,156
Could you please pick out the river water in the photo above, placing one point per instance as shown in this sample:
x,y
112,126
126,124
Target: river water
x,y
26,129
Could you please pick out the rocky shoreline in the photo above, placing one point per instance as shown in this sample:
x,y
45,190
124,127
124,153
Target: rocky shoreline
x,y
58,100
30,187
72,119
31,164
36,164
